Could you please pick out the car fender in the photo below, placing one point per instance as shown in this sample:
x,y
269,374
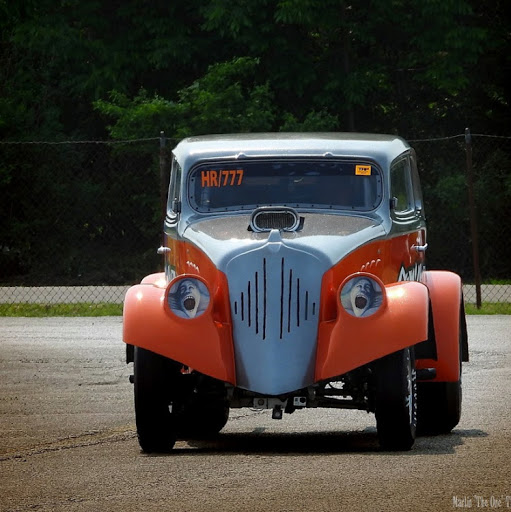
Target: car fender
x,y
445,293
157,278
349,342
202,343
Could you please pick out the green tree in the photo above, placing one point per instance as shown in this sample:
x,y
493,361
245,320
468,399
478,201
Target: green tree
x,y
128,69
373,65
58,57
415,66
226,99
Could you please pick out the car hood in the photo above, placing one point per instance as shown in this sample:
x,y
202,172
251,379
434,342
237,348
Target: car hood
x,y
329,237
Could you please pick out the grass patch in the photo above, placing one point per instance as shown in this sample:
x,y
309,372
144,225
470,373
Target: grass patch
x,y
489,308
106,309
79,309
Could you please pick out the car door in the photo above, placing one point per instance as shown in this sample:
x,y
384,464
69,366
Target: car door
x,y
408,231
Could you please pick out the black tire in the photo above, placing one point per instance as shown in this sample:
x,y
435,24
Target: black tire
x,y
206,410
439,407
396,400
440,403
205,419
153,380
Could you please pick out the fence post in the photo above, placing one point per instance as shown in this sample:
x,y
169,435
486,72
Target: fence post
x,y
473,218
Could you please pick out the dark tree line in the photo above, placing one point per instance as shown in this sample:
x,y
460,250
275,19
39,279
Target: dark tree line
x,y
75,70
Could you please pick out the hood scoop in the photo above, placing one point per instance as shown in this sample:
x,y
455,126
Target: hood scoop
x,y
268,218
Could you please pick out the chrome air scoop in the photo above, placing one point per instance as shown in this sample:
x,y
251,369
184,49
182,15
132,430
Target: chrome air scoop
x,y
268,218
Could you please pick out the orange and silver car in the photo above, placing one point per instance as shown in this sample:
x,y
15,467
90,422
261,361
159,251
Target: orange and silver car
x,y
295,277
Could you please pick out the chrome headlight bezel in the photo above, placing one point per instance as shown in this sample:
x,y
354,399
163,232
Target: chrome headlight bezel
x,y
187,297
362,295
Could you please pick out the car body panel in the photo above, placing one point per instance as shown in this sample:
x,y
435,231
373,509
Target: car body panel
x,y
445,292
349,342
205,344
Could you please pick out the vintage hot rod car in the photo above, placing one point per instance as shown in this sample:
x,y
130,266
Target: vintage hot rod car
x,y
295,277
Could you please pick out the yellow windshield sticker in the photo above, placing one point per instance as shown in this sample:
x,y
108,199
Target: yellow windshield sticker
x,y
363,170
222,178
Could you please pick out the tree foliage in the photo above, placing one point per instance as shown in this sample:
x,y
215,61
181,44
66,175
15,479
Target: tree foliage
x,y
74,70
412,67
225,99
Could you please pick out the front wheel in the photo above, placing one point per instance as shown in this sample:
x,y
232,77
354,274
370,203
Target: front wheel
x,y
396,400
153,380
205,419
440,402
206,410
440,407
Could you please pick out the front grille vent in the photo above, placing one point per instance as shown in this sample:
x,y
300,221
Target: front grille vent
x,y
292,303
266,219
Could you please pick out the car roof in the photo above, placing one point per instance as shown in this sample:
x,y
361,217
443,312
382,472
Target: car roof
x,y
381,148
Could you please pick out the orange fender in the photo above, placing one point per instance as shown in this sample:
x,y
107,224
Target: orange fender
x,y
445,291
202,343
155,279
349,342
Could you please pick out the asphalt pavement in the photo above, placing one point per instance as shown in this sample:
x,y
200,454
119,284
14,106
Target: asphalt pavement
x,y
69,440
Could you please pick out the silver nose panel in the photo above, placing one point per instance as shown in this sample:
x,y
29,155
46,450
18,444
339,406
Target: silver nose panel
x,y
274,293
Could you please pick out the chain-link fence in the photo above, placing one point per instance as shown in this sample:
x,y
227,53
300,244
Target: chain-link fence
x,y
78,218
81,221
466,183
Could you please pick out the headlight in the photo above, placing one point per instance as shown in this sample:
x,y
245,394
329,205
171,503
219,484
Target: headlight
x,y
188,297
361,296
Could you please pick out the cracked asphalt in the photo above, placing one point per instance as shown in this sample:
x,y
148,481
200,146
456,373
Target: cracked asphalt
x,y
68,440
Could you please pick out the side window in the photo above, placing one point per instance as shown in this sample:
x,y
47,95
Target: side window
x,y
417,192
174,198
401,190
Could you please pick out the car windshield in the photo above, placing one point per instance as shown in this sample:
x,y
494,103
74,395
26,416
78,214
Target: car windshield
x,y
319,183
